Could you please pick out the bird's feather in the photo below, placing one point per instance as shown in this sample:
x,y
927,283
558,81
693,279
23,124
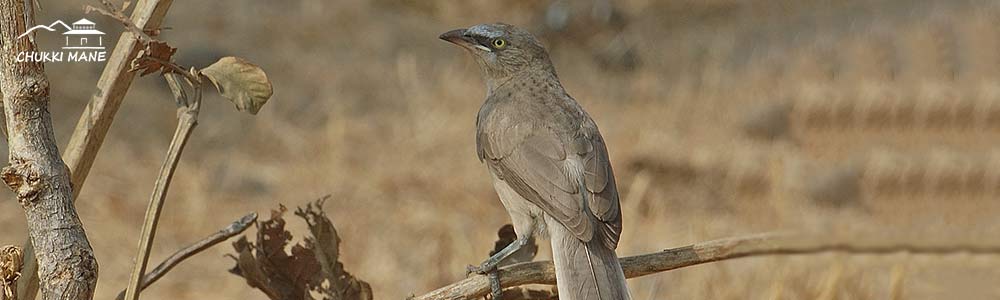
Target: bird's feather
x,y
538,162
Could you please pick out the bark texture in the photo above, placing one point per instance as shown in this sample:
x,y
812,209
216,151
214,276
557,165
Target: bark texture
x,y
789,243
36,173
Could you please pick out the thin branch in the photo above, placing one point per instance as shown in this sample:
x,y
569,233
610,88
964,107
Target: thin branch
x,y
180,96
187,120
97,117
543,272
112,11
233,229
111,87
173,68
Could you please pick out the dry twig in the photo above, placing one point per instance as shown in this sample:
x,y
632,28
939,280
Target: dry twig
x,y
112,11
111,87
233,229
187,119
758,245
97,117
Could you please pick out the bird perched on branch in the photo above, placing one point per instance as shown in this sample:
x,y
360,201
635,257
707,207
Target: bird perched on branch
x,y
548,161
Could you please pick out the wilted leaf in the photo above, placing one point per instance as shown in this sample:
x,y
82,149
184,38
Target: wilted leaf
x,y
153,58
243,83
266,266
250,269
312,266
326,244
11,259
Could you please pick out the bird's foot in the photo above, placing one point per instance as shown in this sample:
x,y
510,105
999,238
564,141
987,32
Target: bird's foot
x,y
489,267
495,289
470,269
490,270
481,269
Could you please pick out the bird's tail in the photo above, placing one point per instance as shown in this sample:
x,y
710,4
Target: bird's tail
x,y
585,271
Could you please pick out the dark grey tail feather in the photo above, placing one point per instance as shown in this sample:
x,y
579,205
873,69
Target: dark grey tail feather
x,y
585,271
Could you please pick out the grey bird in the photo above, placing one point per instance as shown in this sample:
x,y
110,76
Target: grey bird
x,y
548,161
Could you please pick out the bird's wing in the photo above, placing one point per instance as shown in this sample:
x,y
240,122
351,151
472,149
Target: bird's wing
x,y
600,181
534,161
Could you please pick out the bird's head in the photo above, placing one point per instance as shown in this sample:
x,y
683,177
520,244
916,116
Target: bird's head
x,y
501,50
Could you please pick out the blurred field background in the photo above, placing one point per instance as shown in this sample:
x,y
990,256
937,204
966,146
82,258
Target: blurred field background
x,y
723,118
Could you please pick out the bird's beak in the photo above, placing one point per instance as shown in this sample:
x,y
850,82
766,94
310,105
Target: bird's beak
x,y
458,37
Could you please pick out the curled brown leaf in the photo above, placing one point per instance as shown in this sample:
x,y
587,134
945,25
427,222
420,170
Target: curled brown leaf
x,y
311,268
240,81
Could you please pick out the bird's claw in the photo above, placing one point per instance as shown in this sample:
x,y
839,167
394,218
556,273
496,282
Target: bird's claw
x,y
496,291
470,269
481,270
491,272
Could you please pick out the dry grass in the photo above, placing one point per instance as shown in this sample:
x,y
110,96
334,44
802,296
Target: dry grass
x,y
886,116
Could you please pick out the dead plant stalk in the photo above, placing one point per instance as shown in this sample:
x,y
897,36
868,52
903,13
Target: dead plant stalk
x,y
187,115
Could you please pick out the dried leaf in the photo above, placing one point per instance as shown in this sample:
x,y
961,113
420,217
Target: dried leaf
x,y
11,260
240,81
266,266
153,58
325,242
312,266
248,268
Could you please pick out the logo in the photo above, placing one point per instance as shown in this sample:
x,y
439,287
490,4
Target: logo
x,y
82,42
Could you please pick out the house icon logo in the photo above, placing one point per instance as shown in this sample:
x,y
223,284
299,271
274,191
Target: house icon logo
x,y
82,35
82,42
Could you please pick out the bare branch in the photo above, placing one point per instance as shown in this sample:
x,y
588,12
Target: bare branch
x,y
112,11
115,81
96,119
758,245
187,120
233,229
36,173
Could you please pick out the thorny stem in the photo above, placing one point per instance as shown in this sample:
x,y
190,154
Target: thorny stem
x,y
187,119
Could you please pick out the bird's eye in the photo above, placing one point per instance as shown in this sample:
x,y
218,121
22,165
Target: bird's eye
x,y
499,43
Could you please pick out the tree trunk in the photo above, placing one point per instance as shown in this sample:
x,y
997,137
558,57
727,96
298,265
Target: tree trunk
x,y
36,174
